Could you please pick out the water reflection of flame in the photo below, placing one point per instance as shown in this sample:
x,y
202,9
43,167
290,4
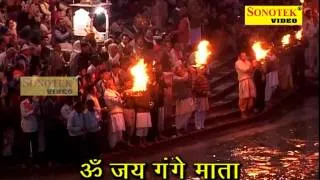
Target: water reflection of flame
x,y
299,162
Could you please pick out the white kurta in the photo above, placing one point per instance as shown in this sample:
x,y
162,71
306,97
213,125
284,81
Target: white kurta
x,y
247,88
117,122
143,120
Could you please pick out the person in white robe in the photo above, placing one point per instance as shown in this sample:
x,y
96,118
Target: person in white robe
x,y
114,103
143,117
247,89
30,126
309,32
272,79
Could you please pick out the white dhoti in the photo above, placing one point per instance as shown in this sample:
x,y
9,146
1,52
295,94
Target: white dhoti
x,y
130,120
184,109
116,126
143,123
272,82
195,35
247,93
247,89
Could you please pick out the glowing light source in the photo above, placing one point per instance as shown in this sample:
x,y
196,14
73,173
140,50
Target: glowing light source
x,y
286,40
81,21
99,10
301,1
299,34
141,78
259,51
202,54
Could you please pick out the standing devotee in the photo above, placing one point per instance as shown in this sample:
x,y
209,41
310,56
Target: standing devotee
x,y
29,125
92,119
77,130
56,61
114,102
159,13
195,11
285,70
143,117
259,80
272,79
247,89
182,91
183,31
81,61
23,58
129,111
310,31
201,92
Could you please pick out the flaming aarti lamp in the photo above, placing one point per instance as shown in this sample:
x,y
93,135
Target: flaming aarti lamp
x,y
139,93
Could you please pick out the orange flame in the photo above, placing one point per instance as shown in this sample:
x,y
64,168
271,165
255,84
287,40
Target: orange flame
x,y
139,72
299,34
301,1
286,39
260,53
202,54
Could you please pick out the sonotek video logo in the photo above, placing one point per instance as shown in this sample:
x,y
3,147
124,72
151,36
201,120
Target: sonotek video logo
x,y
48,86
273,15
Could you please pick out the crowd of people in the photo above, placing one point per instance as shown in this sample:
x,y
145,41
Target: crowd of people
x,y
105,116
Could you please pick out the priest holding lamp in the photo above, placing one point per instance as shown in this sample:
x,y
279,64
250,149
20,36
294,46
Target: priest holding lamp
x,y
247,89
200,86
259,78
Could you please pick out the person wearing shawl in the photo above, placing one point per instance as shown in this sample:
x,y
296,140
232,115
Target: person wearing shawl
x,y
201,92
114,102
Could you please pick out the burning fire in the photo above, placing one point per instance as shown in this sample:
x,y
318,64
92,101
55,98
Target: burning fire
x,y
260,53
286,39
202,54
301,1
139,72
299,34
